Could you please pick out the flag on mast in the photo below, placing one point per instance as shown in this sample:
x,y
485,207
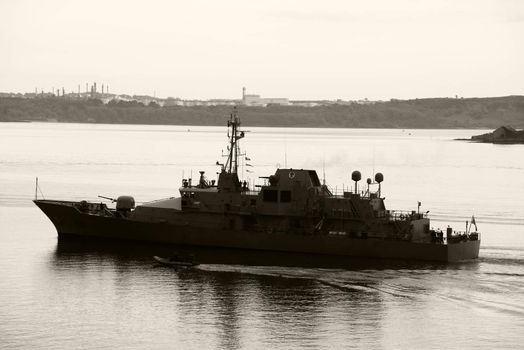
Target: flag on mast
x,y
473,222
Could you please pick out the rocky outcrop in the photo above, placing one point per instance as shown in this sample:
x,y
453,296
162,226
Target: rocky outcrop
x,y
503,134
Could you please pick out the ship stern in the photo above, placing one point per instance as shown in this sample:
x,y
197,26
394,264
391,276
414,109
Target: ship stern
x,y
466,250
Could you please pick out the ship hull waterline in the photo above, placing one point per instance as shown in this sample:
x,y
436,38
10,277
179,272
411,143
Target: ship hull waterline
x,y
71,223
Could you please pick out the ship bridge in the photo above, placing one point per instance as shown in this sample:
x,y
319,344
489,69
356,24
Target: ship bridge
x,y
292,177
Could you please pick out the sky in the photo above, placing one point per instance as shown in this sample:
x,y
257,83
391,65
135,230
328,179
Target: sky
x,y
302,50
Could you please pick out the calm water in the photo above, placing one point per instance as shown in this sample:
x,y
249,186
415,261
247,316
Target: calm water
x,y
82,295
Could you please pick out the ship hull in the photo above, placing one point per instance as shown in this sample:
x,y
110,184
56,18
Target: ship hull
x,y
71,223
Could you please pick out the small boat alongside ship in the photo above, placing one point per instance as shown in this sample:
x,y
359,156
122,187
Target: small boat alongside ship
x,y
175,261
293,211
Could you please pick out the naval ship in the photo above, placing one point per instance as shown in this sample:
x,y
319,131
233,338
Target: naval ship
x,y
293,211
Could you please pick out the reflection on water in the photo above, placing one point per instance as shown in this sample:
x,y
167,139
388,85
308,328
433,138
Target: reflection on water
x,y
240,304
235,299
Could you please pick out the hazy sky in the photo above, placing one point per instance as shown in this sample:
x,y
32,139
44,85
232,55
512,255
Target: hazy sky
x,y
296,49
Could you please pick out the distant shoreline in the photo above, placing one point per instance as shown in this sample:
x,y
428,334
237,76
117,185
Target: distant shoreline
x,y
437,113
255,126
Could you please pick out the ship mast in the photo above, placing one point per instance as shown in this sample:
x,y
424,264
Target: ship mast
x,y
234,134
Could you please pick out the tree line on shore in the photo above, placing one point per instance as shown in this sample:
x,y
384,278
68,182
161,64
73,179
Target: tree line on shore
x,y
418,113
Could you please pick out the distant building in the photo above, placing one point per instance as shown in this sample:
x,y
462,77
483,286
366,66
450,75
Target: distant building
x,y
170,101
256,100
12,94
305,103
364,102
222,102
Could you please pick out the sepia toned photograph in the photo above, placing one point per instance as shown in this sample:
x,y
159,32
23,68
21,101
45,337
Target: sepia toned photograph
x,y
261,174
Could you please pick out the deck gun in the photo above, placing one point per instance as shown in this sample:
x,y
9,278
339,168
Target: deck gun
x,y
108,198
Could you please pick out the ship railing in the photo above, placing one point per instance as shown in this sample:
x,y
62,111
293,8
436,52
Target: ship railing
x,y
92,208
348,192
461,236
404,215
250,192
451,237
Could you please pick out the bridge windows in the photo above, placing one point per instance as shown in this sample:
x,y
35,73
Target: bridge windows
x,y
270,195
285,196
